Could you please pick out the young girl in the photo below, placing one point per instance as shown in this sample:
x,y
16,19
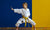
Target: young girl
x,y
26,14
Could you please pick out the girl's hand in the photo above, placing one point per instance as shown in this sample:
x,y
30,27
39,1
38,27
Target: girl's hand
x,y
12,9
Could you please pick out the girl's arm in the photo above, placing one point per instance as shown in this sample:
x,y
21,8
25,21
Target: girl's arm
x,y
17,10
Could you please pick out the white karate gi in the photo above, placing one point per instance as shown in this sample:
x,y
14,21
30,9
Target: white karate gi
x,y
26,13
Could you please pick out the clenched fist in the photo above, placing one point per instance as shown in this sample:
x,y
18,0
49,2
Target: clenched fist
x,y
12,9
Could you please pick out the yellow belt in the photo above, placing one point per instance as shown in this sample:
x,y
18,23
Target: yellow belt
x,y
25,20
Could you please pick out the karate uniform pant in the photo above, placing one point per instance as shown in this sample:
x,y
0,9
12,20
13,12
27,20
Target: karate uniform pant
x,y
22,20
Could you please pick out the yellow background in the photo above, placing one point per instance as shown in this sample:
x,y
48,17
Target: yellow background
x,y
41,12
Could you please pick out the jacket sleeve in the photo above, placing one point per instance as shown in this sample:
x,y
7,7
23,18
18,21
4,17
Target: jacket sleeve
x,y
18,11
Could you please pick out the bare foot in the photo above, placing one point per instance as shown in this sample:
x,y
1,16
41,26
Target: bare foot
x,y
16,29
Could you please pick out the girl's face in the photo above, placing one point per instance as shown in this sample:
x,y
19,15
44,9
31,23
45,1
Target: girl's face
x,y
25,5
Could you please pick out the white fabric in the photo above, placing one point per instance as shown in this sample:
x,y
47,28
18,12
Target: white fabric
x,y
25,13
22,19
22,11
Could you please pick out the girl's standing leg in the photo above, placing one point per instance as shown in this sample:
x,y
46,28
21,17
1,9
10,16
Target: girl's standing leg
x,y
32,22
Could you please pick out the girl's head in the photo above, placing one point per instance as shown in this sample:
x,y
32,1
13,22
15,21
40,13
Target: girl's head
x,y
25,5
